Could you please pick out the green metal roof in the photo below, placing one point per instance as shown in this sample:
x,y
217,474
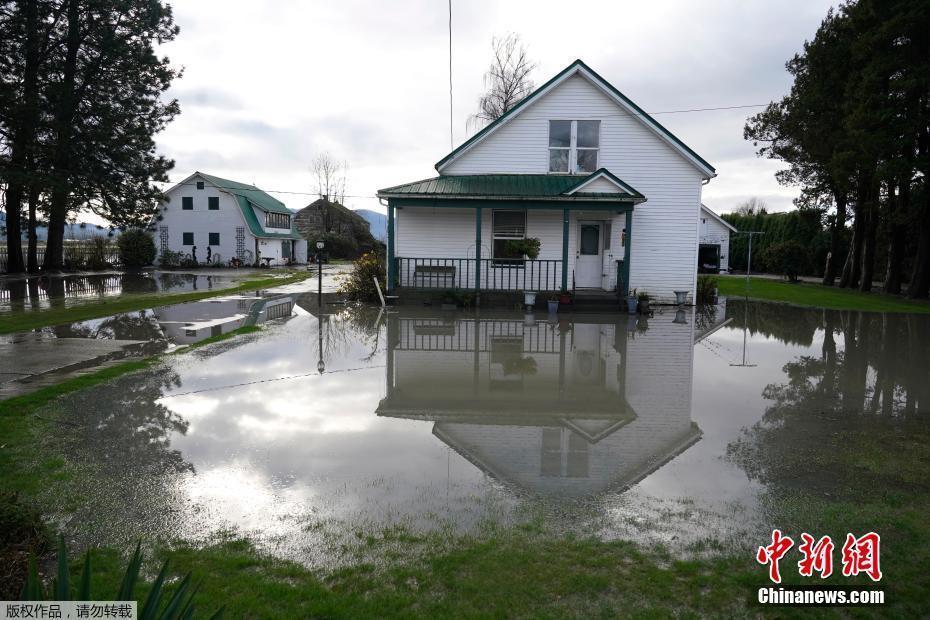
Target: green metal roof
x,y
257,197
571,68
514,186
248,196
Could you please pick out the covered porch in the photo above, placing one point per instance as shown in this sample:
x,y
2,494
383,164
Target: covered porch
x,y
458,233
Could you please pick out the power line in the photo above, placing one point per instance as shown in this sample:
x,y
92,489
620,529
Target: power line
x,y
451,138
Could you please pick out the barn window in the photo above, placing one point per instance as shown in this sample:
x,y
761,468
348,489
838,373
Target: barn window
x,y
187,203
277,220
187,238
199,184
214,238
213,203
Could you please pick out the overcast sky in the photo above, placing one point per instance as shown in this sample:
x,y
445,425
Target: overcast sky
x,y
267,85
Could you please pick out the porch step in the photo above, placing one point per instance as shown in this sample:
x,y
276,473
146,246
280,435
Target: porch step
x,y
596,300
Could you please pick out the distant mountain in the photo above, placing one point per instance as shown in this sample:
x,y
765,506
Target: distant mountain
x,y
78,230
377,223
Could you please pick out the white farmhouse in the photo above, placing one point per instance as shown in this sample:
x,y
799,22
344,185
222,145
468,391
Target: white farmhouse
x,y
714,248
613,197
231,219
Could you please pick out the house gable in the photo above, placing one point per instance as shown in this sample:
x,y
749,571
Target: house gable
x,y
576,93
706,212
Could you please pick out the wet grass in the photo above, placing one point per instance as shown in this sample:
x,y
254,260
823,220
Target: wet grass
x,y
817,295
16,321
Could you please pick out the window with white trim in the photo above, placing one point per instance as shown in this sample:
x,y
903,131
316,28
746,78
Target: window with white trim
x,y
507,226
574,146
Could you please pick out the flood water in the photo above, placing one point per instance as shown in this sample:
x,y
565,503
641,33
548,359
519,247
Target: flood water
x,y
343,420
40,292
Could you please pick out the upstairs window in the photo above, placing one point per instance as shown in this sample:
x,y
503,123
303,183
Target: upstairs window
x,y
213,203
187,203
574,146
199,184
277,220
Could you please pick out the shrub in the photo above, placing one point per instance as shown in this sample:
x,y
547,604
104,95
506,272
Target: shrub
x,y
788,258
170,259
359,284
136,249
706,289
97,254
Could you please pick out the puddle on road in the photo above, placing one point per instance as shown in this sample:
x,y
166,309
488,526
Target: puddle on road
x,y
351,420
41,292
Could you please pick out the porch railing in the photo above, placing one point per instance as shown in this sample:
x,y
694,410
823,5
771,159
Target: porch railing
x,y
495,274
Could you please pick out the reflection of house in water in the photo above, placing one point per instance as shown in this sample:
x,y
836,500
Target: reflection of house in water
x,y
188,323
567,408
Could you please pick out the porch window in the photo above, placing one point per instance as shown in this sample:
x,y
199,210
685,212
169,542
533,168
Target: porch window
x,y
574,146
508,226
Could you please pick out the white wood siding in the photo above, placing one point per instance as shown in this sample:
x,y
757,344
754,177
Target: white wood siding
x,y
715,233
201,221
665,228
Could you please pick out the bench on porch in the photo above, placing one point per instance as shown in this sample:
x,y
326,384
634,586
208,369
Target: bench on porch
x,y
442,276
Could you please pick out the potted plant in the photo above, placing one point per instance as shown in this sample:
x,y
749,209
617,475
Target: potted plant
x,y
553,304
529,298
565,298
643,305
528,247
632,304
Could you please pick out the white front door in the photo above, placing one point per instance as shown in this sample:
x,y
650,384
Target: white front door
x,y
588,260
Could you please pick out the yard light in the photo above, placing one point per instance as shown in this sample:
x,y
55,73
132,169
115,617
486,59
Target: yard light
x,y
319,271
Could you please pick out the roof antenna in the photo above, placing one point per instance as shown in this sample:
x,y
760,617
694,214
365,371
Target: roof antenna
x,y
451,139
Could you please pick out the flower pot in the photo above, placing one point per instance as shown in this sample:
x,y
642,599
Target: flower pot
x,y
529,298
565,299
553,306
681,297
643,306
631,305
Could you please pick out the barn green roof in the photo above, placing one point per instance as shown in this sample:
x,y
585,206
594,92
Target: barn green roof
x,y
248,196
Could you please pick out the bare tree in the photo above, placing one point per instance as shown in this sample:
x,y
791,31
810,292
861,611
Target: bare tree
x,y
752,206
507,80
330,177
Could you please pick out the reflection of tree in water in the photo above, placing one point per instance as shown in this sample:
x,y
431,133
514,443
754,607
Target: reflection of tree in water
x,y
859,401
785,323
348,325
121,425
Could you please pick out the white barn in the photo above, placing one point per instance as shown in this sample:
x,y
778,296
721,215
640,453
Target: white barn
x,y
613,197
714,244
232,219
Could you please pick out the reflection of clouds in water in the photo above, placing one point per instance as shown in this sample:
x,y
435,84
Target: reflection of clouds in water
x,y
607,432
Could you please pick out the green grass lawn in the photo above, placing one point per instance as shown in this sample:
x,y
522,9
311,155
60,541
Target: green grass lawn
x,y
817,295
31,319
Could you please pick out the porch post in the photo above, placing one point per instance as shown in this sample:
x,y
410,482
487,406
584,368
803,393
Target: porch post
x,y
565,249
627,244
391,263
477,250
